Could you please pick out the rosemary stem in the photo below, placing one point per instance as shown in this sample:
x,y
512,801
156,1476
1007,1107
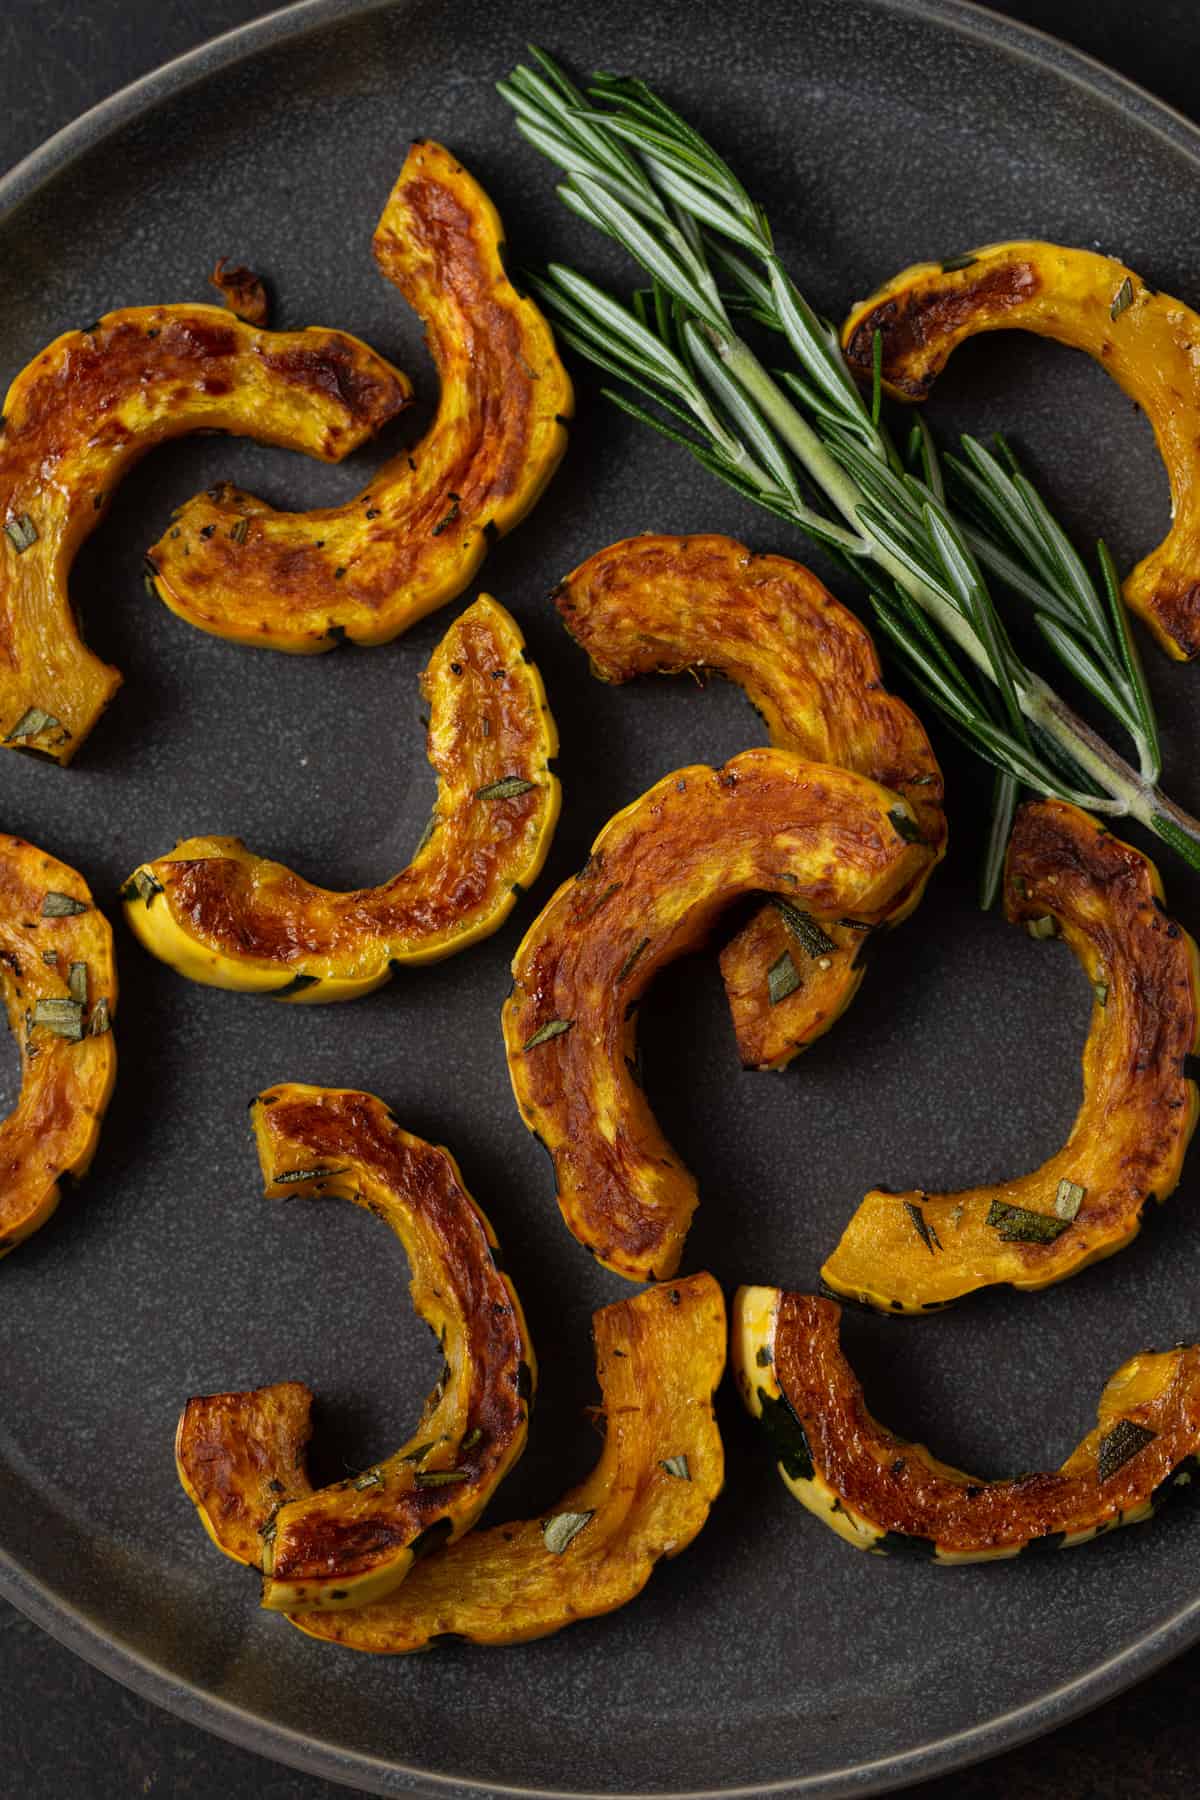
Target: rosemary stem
x,y
796,432
1129,790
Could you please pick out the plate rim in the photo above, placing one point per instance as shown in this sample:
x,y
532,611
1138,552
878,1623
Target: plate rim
x,y
71,1625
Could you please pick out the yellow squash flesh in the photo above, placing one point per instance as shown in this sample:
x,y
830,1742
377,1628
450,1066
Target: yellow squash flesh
x,y
884,1494
239,1456
659,1359
416,535
905,1252
219,914
84,411
662,605
659,877
1147,341
60,993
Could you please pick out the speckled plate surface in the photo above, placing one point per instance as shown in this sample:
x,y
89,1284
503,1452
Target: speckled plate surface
x,y
770,1656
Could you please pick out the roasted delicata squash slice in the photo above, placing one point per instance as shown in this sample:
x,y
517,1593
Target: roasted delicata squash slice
x,y
1065,875
884,1494
219,914
240,1456
659,1358
60,992
416,535
1148,342
659,876
656,605
85,410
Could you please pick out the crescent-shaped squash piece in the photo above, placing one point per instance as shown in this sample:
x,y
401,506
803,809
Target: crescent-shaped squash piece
x,y
659,876
884,1494
659,1359
60,992
84,411
350,1544
416,535
219,914
1064,874
656,605
1148,342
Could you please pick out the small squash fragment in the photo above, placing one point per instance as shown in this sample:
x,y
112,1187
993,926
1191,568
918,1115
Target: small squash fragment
x,y
657,605
219,914
884,1494
85,410
659,1359
239,1455
1148,342
59,980
415,536
1064,874
659,876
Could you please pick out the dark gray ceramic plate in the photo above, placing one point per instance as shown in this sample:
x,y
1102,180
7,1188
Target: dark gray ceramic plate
x,y
769,1656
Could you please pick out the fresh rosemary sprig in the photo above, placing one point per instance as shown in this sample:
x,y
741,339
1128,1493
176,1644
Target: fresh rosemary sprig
x,y
805,444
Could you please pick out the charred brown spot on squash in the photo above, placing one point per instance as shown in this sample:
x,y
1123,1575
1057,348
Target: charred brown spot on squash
x,y
671,863
239,1456
907,1502
659,1471
920,326
1139,1107
668,605
1148,342
88,407
416,536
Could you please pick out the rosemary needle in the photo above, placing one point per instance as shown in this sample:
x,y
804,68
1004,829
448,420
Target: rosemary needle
x,y
805,444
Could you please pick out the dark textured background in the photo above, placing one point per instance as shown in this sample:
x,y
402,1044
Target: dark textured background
x,y
65,1730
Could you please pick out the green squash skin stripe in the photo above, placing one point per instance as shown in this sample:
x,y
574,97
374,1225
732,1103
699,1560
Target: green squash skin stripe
x,y
787,1436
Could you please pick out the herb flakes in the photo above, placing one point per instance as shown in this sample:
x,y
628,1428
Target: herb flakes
x,y
289,1177
448,519
952,264
77,982
555,1028
804,928
100,1020
142,885
506,789
21,532
1121,299
678,1467
1045,927
62,906
1018,1225
33,723
627,966
562,1530
782,979
905,827
1068,1199
431,1478
1125,1439
924,1230
63,1017
368,1479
